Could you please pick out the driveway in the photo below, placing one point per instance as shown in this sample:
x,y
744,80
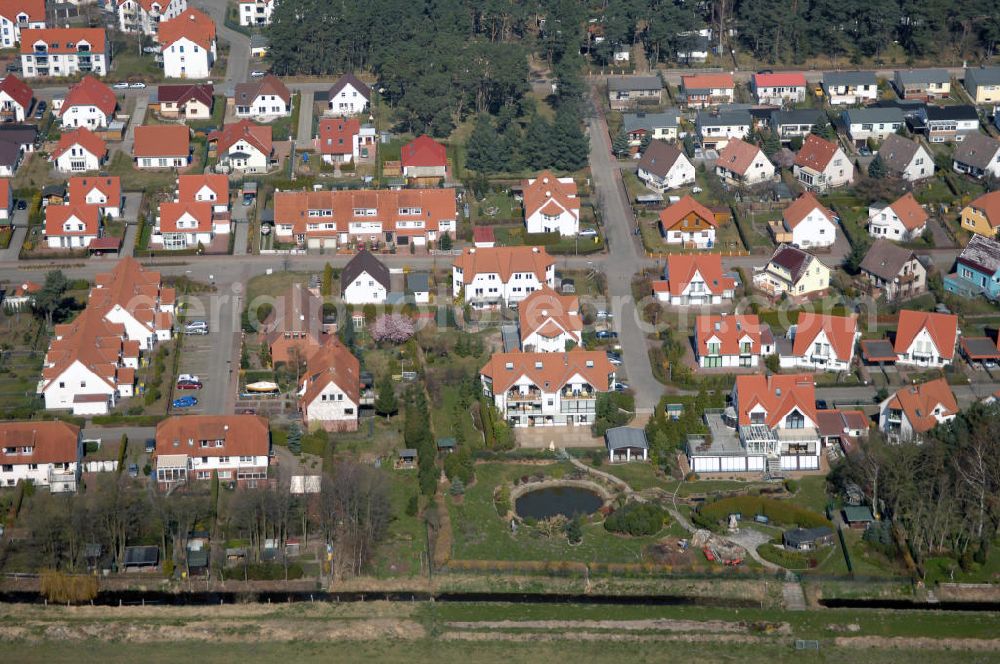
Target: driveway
x,y
304,139
133,200
13,251
128,242
238,64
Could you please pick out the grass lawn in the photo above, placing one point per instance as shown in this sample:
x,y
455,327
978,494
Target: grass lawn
x,y
274,284
284,127
400,552
445,423
128,65
637,475
35,172
812,493
218,113
947,570
134,179
497,207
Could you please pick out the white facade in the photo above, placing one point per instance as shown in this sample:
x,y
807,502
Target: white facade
x,y
227,467
717,136
923,352
554,215
884,222
777,95
751,352
877,131
896,424
265,107
332,404
77,379
920,167
10,28
9,105
241,156
489,287
73,235
681,174
839,172
64,64
108,208
133,17
348,101
77,159
760,170
207,195
87,116
702,239
851,95
256,12
820,357
814,230
525,404
58,477
186,59
365,289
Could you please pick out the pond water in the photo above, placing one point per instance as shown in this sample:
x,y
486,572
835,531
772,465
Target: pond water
x,y
565,500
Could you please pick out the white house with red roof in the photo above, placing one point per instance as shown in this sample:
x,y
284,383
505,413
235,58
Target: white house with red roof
x,y
689,224
44,453
742,163
780,88
233,448
15,99
263,99
694,280
186,225
811,223
6,200
902,220
145,16
244,146
822,165
342,140
925,339
731,340
103,191
188,42
89,104
423,157
501,275
551,205
549,322
64,52
18,14
204,188
916,409
79,151
330,393
71,226
820,342
161,146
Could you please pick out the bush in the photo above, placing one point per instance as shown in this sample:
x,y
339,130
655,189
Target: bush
x,y
791,486
67,588
778,511
782,556
636,519
413,505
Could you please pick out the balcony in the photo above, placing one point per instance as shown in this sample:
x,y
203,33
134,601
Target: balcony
x,y
894,417
518,397
578,395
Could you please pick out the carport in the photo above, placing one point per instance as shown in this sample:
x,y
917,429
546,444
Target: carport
x,y
626,444
980,352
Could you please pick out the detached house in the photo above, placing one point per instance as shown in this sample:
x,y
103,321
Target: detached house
x,y
664,167
821,165
923,84
916,409
792,272
982,215
330,394
796,123
185,225
6,202
162,146
348,96
549,322
811,223
293,331
233,448
104,192
78,151
263,99
46,454
213,189
702,90
423,157
657,126
977,156
983,84
731,340
628,91
906,159
342,140
144,16
716,129
820,342
551,205
188,41
903,220
188,102
893,271
365,280
256,13
743,164
694,279
779,89
64,52
501,275
689,224
244,147
949,124
547,389
872,123
977,269
16,15
925,339
16,98
850,87
71,226
89,104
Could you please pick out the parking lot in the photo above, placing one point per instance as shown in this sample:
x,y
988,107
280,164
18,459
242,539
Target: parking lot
x,y
200,356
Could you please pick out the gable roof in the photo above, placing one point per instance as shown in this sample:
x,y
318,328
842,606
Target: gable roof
x,y
336,135
707,82
549,371
681,269
816,153
918,76
885,259
109,185
909,211
840,331
795,213
50,442
724,118
83,137
431,206
242,435
659,158
738,156
166,140
919,402
366,262
873,115
171,212
989,205
189,185
976,76
943,330
5,196
332,363
777,394
780,80
35,9
797,116
672,215
353,81
194,25
297,311
504,261
897,152
794,260
62,40
258,136
633,121
730,330
982,254
17,90
952,113
544,305
423,151
57,215
630,83
545,192
977,150
181,94
90,92
270,84
849,78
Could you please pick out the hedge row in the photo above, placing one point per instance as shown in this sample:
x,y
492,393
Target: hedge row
x,y
779,512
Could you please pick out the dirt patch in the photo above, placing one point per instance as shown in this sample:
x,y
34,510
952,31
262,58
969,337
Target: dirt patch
x,y
584,636
917,643
714,626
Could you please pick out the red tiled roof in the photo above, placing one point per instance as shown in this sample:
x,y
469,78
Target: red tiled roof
x,y
504,261
815,153
332,363
672,215
35,9
242,435
738,156
109,185
170,214
549,371
50,442
730,330
423,151
802,207
188,187
336,135
259,136
909,212
57,215
27,288
777,394
5,197
483,234
62,40
681,269
780,80
840,332
546,193
90,92
167,140
707,82
989,204
434,205
17,90
543,307
943,330
83,137
181,94
192,24
920,401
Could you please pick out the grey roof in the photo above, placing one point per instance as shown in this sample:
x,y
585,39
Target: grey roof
x,y
258,41
798,536
792,259
723,118
957,112
977,150
22,134
659,158
141,556
418,282
633,121
803,116
359,85
897,152
918,76
885,259
872,115
982,254
856,513
838,78
10,154
629,83
408,453
980,348
365,261
511,338
445,442
618,438
54,190
981,76
911,108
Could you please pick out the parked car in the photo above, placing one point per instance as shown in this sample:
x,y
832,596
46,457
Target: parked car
x,y
184,402
615,359
138,85
188,378
256,74
22,204
606,334
620,387
150,445
196,330
588,232
151,49
120,85
604,314
188,385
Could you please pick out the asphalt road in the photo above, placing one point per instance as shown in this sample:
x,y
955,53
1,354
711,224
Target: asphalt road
x,y
238,64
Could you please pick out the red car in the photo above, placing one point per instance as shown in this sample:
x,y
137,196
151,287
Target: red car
x,y
188,385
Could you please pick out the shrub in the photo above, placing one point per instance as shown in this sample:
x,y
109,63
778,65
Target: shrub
x,y
413,505
791,486
778,511
636,519
66,588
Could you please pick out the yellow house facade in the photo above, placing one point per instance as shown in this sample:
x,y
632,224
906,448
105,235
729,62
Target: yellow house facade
x,y
793,272
982,216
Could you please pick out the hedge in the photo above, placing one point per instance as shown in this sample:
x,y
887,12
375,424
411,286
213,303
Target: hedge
x,y
636,519
779,512
788,559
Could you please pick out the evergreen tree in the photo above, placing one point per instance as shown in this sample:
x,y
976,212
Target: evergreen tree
x,y
876,169
327,285
295,439
568,145
771,144
385,399
647,138
445,242
510,148
689,144
823,128
483,148
620,145
537,139
345,330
